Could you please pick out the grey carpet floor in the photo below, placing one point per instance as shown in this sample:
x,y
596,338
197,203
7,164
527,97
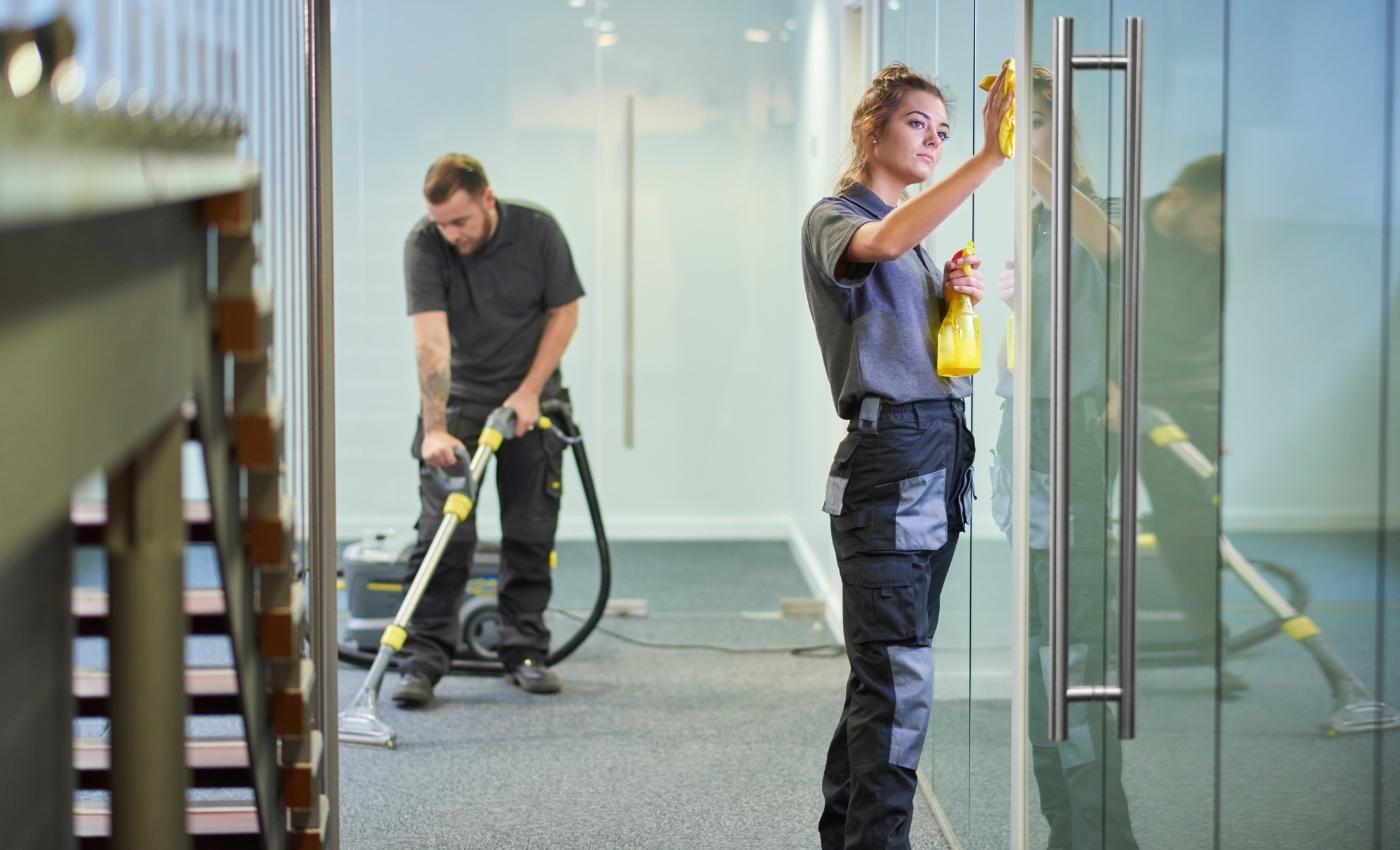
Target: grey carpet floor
x,y
645,748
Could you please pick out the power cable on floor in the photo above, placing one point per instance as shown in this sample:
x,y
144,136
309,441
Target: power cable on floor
x,y
823,650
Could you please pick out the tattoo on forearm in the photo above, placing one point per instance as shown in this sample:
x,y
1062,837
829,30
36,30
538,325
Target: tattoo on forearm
x,y
434,384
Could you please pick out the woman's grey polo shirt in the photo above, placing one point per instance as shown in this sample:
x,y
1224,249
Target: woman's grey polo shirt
x,y
873,323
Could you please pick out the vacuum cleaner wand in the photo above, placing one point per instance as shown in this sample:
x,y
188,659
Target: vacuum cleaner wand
x,y
1354,708
361,723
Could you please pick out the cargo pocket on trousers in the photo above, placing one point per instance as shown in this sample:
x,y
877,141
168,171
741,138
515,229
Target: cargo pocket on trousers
x,y
912,514
968,495
546,507
553,469
840,476
883,600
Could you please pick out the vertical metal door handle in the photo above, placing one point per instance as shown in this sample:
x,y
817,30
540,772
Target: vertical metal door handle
x,y
1065,63
1061,154
1132,383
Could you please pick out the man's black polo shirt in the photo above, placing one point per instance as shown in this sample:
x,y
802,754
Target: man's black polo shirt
x,y
496,300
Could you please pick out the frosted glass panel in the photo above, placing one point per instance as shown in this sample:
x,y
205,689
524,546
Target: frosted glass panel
x,y
714,92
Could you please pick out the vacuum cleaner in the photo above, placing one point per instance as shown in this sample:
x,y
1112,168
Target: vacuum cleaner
x,y
361,723
1355,710
372,571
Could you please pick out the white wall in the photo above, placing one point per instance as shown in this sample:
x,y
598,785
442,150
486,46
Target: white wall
x,y
542,108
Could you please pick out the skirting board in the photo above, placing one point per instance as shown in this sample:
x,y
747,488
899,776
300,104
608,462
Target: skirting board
x,y
817,575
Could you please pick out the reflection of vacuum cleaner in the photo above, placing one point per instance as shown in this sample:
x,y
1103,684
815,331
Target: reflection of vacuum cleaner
x,y
360,723
1355,709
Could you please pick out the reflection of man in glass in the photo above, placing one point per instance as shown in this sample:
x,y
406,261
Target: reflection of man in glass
x,y
493,294
1079,780
1181,384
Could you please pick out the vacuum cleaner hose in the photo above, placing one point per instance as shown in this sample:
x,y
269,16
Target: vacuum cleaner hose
x,y
561,416
1184,654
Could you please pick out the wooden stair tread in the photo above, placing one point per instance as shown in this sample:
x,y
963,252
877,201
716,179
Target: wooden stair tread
x,y
212,824
89,521
213,763
212,690
205,610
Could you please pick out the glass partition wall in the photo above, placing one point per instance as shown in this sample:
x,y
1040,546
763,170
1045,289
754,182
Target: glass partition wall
x,y
1243,446
680,145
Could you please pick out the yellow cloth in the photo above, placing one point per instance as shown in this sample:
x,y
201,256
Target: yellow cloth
x,y
1007,134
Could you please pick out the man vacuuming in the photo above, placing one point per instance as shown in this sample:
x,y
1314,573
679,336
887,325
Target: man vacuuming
x,y
493,294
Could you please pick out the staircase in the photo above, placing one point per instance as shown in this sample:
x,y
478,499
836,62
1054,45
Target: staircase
x,y
268,687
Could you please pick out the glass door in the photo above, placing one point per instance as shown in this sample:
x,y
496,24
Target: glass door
x,y
1309,476
1116,421
967,751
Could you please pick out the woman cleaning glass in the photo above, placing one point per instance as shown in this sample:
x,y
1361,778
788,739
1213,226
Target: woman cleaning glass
x,y
899,490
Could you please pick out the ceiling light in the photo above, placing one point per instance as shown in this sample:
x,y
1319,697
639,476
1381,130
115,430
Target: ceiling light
x,y
137,102
68,81
757,36
25,70
108,94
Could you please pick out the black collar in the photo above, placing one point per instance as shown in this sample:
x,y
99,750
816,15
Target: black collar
x,y
505,229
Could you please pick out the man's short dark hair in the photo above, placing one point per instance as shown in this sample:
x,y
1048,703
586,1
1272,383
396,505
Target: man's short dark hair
x,y
1203,178
451,172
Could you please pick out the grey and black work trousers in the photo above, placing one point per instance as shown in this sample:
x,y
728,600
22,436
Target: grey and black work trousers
x,y
899,494
529,484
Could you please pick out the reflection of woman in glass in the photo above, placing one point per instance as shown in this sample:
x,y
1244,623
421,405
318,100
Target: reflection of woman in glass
x,y
899,490
1079,779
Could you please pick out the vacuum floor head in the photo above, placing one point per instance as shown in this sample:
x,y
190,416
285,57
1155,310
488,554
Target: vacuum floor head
x,y
365,729
1364,716
360,723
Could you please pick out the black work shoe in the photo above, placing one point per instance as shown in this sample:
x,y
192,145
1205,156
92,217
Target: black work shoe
x,y
415,690
535,677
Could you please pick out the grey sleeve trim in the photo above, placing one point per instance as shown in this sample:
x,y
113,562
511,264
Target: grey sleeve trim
x,y
830,228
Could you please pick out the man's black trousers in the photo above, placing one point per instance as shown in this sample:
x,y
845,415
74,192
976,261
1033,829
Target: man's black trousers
x,y
529,482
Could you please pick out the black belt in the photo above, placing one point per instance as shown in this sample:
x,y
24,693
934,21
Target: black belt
x,y
874,410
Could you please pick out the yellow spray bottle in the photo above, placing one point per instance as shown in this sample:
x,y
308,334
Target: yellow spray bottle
x,y
960,334
1011,343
